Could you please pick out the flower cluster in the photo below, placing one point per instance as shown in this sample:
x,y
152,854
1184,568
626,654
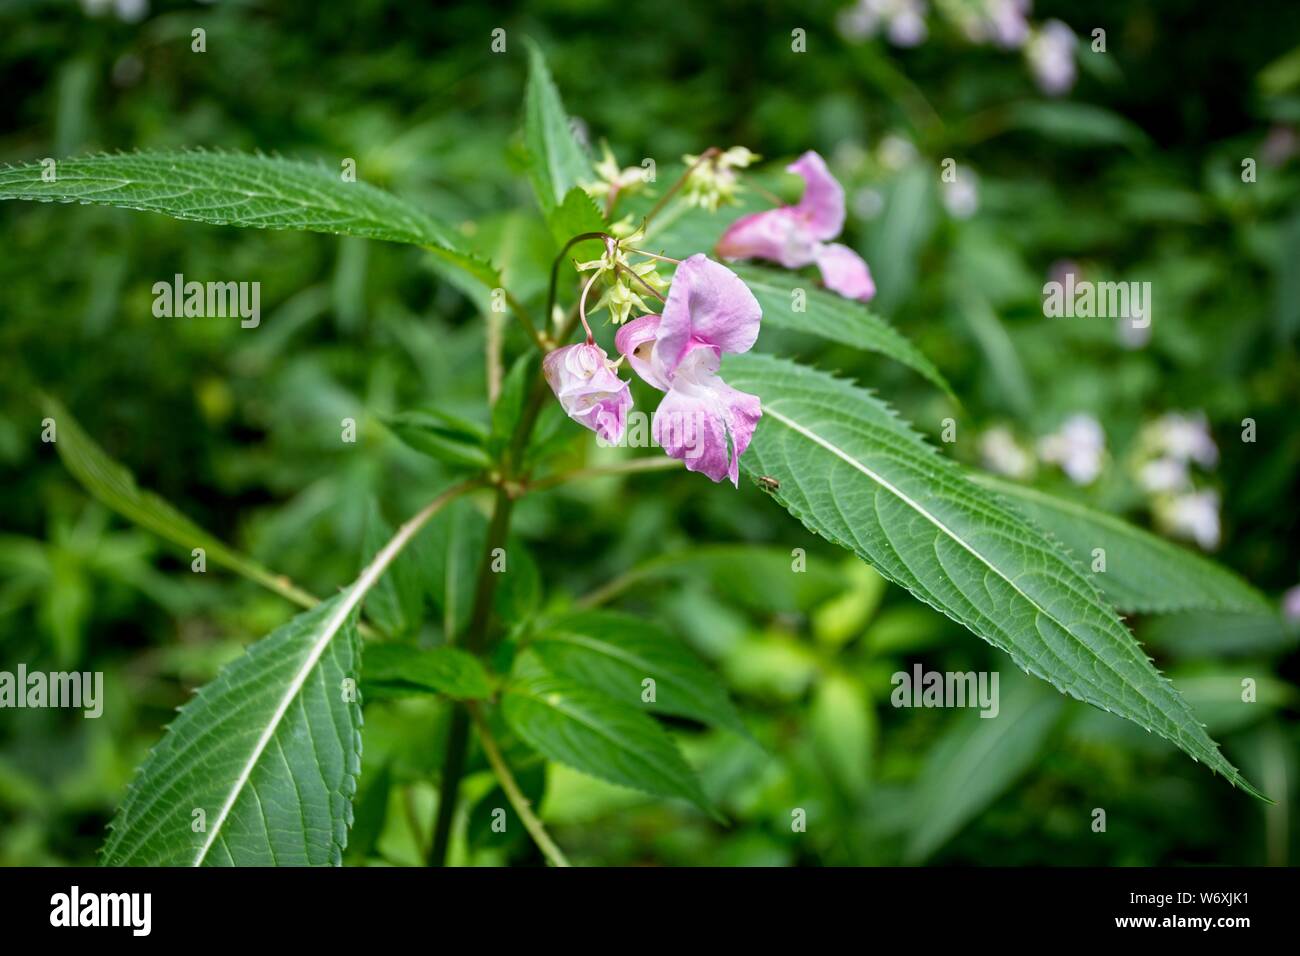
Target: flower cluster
x,y
1167,449
1048,48
1078,447
701,420
707,311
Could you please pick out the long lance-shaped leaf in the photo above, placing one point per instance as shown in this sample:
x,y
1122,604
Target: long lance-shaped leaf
x,y
260,767
831,317
115,486
556,163
237,189
1142,572
854,473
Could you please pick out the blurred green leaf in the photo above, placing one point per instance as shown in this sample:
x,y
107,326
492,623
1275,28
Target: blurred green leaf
x,y
442,436
114,485
444,670
976,761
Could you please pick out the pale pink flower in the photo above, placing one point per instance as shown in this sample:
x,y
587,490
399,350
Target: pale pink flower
x,y
583,379
702,420
799,235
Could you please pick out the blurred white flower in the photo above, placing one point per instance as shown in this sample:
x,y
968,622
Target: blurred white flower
x,y
1050,52
903,21
1185,438
1194,516
1163,475
1003,455
1007,24
1000,22
962,197
1078,447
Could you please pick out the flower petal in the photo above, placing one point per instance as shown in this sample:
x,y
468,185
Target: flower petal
x,y
822,204
708,306
635,341
588,390
845,272
778,235
707,424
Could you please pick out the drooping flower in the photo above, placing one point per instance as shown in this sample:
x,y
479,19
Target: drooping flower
x,y
702,420
799,235
590,392
1078,448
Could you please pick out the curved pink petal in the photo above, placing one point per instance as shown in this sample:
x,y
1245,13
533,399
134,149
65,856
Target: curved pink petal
x,y
821,207
845,272
778,235
707,424
708,307
588,390
635,341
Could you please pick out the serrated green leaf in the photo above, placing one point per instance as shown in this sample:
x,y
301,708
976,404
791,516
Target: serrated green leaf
x,y
444,670
589,732
114,485
236,189
556,163
832,317
854,473
269,751
1143,572
614,653
573,217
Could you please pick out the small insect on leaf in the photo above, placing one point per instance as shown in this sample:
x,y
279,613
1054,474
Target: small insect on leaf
x,y
768,483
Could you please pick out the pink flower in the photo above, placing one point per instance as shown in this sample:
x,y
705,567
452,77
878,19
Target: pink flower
x,y
583,379
799,235
702,420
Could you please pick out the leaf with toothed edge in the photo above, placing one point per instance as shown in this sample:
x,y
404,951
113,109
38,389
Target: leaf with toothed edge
x,y
238,189
856,474
832,317
1143,572
269,751
592,733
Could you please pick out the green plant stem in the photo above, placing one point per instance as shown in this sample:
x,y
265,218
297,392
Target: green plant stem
x,y
476,635
532,823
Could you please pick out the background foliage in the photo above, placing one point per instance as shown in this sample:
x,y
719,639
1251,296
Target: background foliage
x,y
1134,175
